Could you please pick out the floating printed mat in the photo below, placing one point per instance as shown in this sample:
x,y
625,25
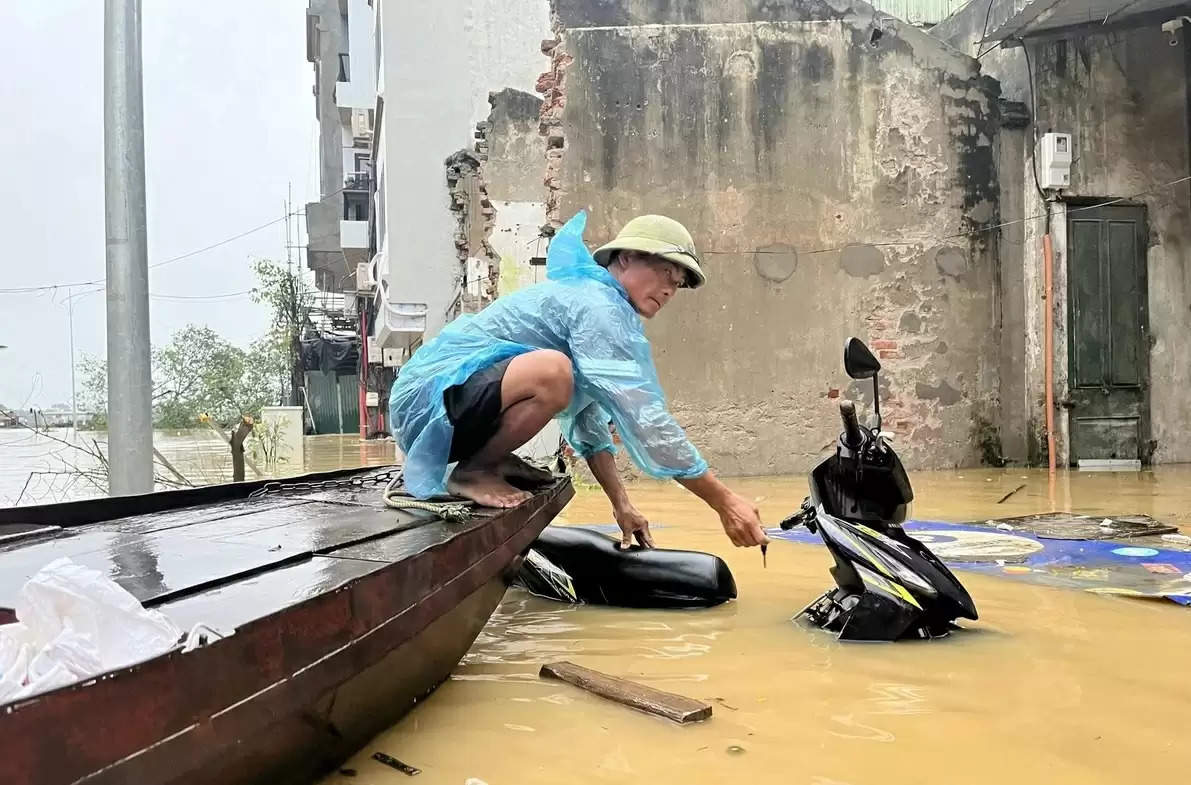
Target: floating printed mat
x,y
1135,569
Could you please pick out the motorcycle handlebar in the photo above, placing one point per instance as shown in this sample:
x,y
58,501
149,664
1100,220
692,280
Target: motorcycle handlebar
x,y
853,436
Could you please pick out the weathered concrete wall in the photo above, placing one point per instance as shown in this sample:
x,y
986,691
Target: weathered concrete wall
x,y
1013,419
515,148
824,159
1122,97
324,256
513,171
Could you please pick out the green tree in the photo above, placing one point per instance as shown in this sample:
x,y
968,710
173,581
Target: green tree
x,y
200,372
290,297
93,388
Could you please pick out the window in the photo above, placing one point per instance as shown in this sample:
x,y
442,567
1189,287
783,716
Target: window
x,y
355,206
344,68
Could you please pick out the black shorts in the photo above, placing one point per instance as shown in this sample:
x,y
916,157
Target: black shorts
x,y
474,408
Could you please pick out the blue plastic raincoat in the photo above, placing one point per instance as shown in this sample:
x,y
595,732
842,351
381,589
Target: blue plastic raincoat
x,y
580,310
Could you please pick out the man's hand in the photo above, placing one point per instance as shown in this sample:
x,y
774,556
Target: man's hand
x,y
741,520
632,524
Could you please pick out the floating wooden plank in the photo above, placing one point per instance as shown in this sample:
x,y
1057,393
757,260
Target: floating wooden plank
x,y
664,704
393,763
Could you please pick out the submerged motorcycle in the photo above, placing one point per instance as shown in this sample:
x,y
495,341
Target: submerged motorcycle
x,y
889,586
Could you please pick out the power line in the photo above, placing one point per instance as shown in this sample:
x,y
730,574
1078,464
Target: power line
x,y
172,260
100,281
231,239
167,296
959,235
984,32
226,296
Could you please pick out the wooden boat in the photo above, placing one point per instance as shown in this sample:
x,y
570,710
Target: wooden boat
x,y
345,613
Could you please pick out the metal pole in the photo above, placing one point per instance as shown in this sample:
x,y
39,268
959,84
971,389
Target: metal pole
x,y
74,401
130,385
361,303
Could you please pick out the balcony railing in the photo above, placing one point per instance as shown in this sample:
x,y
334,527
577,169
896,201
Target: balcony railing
x,y
357,181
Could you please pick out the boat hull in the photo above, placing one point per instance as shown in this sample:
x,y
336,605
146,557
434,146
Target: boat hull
x,y
292,693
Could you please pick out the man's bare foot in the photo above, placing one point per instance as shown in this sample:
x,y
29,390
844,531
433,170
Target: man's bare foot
x,y
514,467
485,487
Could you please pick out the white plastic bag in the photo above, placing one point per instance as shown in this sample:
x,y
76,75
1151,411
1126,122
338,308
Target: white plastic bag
x,y
74,623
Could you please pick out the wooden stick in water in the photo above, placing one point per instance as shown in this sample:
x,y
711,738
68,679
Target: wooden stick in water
x,y
678,708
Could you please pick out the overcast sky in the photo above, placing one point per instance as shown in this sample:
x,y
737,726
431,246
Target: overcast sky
x,y
229,121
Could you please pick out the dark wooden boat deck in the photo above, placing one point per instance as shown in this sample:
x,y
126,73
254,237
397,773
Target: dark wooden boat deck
x,y
344,613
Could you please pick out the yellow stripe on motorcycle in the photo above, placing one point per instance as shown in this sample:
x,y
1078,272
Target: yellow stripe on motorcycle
x,y
862,549
875,582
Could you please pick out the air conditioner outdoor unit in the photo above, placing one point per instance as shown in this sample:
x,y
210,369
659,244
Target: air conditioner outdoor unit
x,y
361,127
364,282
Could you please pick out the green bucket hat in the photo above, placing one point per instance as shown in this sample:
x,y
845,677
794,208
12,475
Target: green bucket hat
x,y
659,236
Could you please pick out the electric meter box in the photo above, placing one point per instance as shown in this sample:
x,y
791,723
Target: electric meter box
x,y
1054,160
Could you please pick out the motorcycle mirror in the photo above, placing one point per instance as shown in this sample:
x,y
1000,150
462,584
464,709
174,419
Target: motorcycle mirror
x,y
859,361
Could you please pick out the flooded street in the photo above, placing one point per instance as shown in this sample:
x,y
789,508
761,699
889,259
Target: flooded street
x,y
1051,685
41,468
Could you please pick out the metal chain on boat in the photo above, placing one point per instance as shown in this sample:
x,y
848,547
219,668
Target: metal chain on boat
x,y
355,481
391,479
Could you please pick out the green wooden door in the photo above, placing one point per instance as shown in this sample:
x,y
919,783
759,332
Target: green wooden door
x,y
1108,334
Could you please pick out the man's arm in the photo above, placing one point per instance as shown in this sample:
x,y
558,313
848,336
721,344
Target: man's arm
x,y
739,516
631,522
612,355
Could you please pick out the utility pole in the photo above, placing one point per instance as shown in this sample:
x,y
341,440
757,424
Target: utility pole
x,y
74,401
130,384
289,246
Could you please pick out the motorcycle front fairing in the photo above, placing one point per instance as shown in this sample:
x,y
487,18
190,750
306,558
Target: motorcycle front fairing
x,y
889,583
893,563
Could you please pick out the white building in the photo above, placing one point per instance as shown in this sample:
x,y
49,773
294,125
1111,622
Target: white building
x,y
436,65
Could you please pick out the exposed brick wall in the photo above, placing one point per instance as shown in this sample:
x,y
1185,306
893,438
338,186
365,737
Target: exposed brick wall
x,y
552,86
476,216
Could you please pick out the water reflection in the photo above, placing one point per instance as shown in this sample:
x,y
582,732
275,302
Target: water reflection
x,y
134,565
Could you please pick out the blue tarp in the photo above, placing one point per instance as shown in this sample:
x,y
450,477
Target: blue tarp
x,y
1102,566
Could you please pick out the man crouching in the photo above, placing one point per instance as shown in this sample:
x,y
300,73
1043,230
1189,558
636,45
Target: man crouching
x,y
573,348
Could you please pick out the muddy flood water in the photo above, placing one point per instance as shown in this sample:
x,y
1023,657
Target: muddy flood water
x,y
1051,686
43,468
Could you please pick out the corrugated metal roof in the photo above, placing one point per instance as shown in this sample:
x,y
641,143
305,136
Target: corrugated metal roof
x,y
1035,16
920,12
